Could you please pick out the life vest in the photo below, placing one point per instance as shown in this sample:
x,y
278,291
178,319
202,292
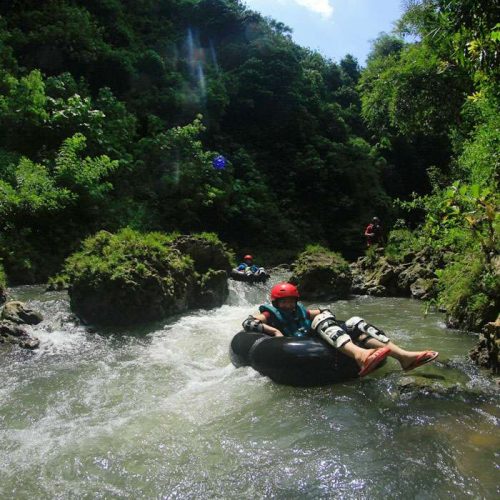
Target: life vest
x,y
297,325
243,267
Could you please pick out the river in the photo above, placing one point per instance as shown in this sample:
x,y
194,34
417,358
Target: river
x,y
160,412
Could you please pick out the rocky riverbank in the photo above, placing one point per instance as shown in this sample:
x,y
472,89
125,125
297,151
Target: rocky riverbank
x,y
322,274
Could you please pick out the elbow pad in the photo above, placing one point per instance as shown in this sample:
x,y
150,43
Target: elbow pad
x,y
252,324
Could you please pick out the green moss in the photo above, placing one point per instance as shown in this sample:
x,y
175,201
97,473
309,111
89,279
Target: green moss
x,y
58,282
469,292
126,256
131,277
3,278
321,274
318,255
400,243
127,277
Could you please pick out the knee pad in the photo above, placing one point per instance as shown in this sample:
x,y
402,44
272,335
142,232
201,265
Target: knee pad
x,y
359,325
326,326
335,336
322,320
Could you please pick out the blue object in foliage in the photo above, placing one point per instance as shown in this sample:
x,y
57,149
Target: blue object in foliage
x,y
219,162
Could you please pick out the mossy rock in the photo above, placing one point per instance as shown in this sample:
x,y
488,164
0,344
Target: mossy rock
x,y
129,278
206,250
3,285
212,262
321,274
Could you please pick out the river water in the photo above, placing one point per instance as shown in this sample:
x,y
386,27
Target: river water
x,y
161,413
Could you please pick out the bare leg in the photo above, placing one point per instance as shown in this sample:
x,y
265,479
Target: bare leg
x,y
405,358
359,354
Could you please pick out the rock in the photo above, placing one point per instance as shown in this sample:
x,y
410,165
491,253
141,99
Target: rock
x,y
17,312
411,276
414,385
132,278
212,263
16,334
486,353
207,252
423,288
322,275
413,273
31,343
8,328
379,279
212,290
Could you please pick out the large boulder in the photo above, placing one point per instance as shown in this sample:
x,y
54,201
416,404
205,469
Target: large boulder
x,y
212,263
321,274
206,250
129,277
14,315
379,278
414,275
487,352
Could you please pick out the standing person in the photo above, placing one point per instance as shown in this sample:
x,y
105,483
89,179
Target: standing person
x,y
366,344
373,232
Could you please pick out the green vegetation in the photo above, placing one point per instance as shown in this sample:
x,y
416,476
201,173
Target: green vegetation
x,y
3,280
112,112
322,274
444,91
132,277
320,254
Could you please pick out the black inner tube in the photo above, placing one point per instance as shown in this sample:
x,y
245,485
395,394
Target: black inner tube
x,y
301,362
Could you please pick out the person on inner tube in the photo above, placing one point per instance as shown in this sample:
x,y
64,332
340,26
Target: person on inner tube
x,y
248,267
366,344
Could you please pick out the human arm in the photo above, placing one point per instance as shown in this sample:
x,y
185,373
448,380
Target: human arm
x,y
258,323
313,313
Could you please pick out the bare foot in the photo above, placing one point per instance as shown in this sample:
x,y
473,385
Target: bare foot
x,y
374,358
363,355
416,359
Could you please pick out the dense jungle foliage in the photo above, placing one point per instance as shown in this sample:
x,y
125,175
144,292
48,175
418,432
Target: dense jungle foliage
x,y
111,112
438,98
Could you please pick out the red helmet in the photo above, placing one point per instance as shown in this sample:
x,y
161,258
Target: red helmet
x,y
248,257
282,290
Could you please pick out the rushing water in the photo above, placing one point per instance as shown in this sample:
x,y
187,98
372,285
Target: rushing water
x,y
162,413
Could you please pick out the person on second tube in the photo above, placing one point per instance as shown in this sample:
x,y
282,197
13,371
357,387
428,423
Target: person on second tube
x,y
366,344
